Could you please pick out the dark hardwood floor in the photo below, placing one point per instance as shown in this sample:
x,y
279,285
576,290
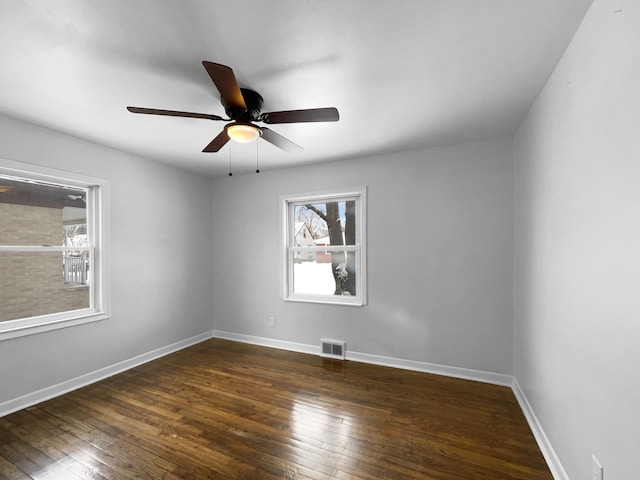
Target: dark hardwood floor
x,y
223,409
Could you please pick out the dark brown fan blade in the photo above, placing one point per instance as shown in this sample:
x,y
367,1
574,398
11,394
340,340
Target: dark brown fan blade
x,y
226,84
173,113
217,143
329,114
280,141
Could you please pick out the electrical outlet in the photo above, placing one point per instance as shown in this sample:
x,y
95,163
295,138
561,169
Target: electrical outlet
x,y
597,471
272,321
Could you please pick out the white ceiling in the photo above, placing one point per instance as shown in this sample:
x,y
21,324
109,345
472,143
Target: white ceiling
x,y
404,74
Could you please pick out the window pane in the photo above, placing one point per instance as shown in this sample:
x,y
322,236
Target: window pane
x,y
33,283
324,273
33,213
328,223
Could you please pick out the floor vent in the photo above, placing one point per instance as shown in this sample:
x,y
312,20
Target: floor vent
x,y
333,349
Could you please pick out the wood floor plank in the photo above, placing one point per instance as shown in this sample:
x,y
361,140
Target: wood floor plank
x,y
224,409
9,471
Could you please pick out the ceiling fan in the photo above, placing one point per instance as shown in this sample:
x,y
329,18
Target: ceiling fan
x,y
243,106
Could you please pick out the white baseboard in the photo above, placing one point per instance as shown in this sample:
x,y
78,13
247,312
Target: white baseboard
x,y
445,370
52,391
268,342
557,470
465,373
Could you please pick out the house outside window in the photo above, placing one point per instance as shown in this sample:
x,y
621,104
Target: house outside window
x,y
52,249
324,247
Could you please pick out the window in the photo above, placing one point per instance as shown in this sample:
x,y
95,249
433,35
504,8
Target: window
x,y
324,254
52,249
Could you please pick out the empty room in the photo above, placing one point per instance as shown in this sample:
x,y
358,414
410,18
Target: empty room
x,y
320,239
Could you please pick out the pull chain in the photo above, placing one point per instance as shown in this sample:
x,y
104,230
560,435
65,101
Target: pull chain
x,y
257,155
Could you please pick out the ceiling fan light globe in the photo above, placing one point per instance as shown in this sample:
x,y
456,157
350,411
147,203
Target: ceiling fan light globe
x,y
242,133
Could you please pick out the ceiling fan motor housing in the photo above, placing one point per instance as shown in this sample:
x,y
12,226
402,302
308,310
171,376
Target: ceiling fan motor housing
x,y
253,100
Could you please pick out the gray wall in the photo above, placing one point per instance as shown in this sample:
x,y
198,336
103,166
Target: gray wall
x,y
577,248
440,256
161,281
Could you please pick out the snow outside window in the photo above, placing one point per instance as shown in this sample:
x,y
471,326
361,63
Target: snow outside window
x,y
324,254
52,249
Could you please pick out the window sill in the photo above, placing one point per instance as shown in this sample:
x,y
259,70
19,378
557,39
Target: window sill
x,y
30,326
346,300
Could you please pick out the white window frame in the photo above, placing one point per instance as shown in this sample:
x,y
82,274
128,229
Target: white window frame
x,y
287,204
97,221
